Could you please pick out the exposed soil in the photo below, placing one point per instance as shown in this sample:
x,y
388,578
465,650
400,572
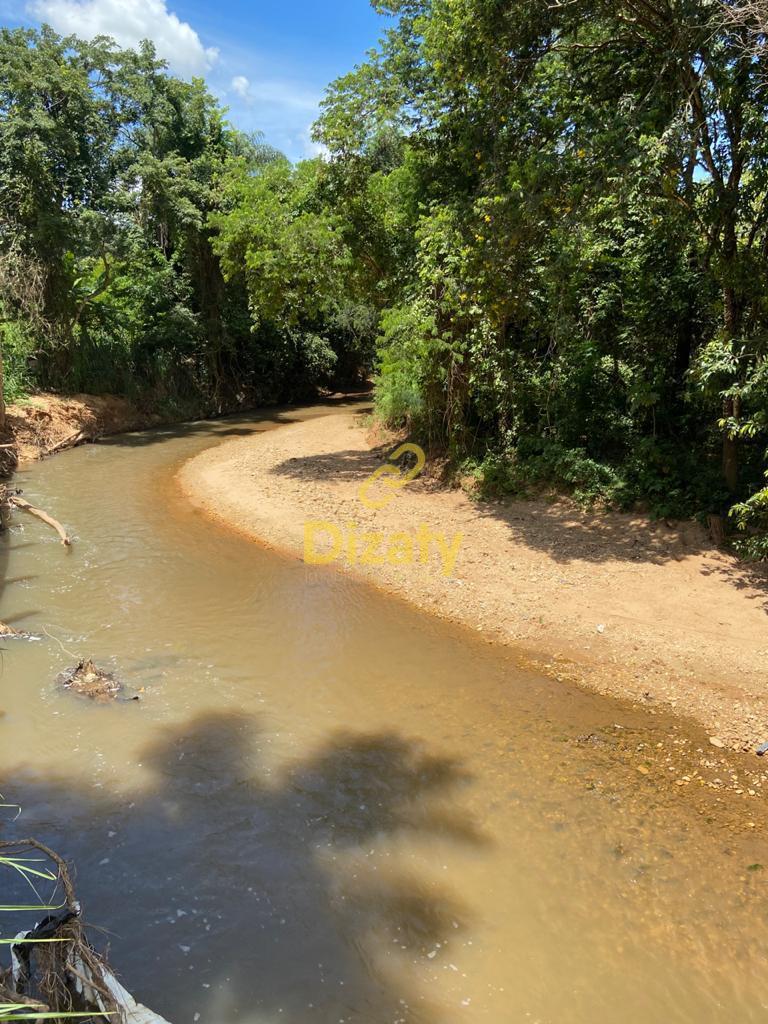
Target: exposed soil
x,y
615,602
46,423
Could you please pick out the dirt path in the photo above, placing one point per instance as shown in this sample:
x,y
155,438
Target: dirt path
x,y
624,606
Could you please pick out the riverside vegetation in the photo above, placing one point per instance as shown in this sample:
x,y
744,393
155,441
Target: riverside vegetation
x,y
543,226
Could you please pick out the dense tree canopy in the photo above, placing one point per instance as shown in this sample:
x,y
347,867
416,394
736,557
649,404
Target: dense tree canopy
x,y
551,218
112,174
586,293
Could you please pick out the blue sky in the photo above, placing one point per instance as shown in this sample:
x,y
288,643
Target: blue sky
x,y
269,62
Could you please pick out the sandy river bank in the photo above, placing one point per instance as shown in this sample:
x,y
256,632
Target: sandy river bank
x,y
614,602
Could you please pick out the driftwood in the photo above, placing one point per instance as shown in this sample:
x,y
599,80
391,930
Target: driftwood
x,y
72,441
14,499
8,632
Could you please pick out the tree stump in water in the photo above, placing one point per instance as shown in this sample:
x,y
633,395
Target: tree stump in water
x,y
87,680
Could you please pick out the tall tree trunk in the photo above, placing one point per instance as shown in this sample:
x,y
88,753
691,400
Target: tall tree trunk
x,y
687,337
730,448
2,388
732,325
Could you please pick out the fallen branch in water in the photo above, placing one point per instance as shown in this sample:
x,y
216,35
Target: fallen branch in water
x,y
21,503
72,441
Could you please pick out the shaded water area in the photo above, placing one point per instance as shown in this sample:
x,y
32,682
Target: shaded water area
x,y
328,807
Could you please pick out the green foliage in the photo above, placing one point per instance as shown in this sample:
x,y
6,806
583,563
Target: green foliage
x,y
545,225
535,465
658,477
408,347
280,240
751,517
123,199
583,187
17,343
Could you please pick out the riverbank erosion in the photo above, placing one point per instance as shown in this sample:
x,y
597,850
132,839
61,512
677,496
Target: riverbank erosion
x,y
45,424
615,602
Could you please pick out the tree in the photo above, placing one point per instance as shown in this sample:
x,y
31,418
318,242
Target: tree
x,y
591,158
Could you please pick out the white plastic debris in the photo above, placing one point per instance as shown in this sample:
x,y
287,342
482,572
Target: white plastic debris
x,y
83,984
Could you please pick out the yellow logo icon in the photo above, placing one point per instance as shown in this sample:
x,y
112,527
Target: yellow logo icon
x,y
326,542
394,478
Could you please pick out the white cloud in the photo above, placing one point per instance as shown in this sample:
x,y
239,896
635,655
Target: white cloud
x,y
275,95
241,86
129,22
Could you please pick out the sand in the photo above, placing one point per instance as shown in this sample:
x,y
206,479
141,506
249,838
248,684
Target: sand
x,y
615,602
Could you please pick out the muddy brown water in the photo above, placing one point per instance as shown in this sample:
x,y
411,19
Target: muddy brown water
x,y
330,808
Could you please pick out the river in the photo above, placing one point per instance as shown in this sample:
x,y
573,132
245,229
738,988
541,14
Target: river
x,y
328,807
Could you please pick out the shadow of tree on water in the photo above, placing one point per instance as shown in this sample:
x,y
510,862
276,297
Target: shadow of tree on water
x,y
241,896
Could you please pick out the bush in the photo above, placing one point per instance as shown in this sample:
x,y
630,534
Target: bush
x,y
751,519
536,463
17,348
670,481
398,398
